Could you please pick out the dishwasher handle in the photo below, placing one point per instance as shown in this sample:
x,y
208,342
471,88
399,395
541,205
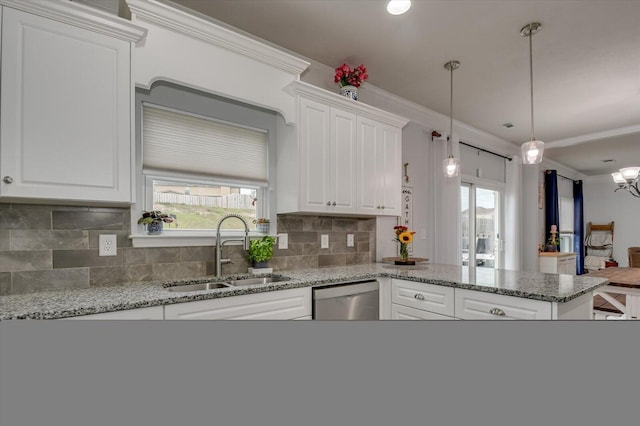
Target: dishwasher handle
x,y
345,290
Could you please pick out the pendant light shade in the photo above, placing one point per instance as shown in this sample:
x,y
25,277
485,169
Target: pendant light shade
x,y
450,165
531,151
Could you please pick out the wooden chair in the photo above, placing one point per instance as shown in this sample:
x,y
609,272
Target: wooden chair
x,y
634,257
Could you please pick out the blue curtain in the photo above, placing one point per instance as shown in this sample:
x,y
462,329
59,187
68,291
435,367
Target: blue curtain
x,y
552,209
578,226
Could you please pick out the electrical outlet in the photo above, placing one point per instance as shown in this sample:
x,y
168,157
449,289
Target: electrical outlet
x,y
349,240
108,245
324,241
283,241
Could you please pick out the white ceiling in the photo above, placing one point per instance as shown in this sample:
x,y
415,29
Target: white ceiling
x,y
586,60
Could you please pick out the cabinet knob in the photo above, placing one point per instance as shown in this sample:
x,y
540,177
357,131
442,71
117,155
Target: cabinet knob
x,y
328,203
419,296
382,207
497,311
377,207
333,204
7,179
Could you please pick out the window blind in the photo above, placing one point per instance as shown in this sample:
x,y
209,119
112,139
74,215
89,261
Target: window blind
x,y
181,142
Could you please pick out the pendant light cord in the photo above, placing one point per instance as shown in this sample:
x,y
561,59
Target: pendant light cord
x,y
531,79
450,116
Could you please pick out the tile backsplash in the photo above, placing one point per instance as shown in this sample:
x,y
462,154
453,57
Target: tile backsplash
x,y
48,246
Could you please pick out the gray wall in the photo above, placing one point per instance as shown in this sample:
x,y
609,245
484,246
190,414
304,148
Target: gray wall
x,y
54,247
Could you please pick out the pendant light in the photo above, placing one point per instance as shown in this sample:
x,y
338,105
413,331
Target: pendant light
x,y
450,165
532,150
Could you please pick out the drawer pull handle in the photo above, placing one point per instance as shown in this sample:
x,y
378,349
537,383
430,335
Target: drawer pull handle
x,y
419,296
497,311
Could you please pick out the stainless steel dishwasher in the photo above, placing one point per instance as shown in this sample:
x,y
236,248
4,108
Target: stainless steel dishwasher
x,y
349,301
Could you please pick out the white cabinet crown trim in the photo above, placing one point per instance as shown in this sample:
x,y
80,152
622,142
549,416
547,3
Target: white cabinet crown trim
x,y
189,22
80,16
326,97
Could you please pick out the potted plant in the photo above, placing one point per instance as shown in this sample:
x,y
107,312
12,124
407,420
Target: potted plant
x,y
350,79
262,225
261,251
154,220
554,243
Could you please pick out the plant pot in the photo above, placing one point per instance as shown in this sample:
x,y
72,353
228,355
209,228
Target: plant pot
x,y
263,228
154,228
350,92
260,265
551,248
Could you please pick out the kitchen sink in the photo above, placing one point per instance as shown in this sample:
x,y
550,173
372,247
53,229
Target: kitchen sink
x,y
198,287
257,280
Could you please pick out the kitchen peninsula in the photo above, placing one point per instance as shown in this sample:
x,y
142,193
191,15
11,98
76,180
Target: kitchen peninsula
x,y
448,290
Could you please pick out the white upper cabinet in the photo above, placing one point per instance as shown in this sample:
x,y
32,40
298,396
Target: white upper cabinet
x,y
344,157
379,168
65,111
327,155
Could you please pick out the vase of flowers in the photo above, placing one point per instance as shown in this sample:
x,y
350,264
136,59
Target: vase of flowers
x,y
554,242
350,79
404,236
153,221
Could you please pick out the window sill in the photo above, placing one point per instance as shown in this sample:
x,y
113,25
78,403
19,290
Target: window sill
x,y
186,238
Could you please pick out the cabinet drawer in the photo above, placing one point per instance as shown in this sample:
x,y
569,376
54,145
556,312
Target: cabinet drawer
x,y
471,304
400,312
282,304
427,297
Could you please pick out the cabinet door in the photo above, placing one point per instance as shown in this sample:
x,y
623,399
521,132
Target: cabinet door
x,y
282,304
567,265
471,304
400,312
315,155
342,192
65,112
389,165
379,168
150,313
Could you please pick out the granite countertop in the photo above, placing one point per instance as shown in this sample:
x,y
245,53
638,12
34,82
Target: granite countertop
x,y
53,304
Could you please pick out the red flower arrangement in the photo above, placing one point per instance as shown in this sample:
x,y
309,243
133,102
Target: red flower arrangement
x,y
346,76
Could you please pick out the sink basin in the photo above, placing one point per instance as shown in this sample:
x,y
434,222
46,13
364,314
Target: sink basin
x,y
198,287
257,280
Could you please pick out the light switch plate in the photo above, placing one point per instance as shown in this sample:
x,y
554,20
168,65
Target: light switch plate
x,y
108,245
349,240
324,241
283,241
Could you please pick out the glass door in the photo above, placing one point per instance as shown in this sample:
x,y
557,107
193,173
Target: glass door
x,y
481,226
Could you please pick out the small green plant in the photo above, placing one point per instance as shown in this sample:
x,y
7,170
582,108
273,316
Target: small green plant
x,y
154,216
261,250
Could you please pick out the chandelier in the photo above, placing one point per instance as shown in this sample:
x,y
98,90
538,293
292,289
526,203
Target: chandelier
x,y
628,178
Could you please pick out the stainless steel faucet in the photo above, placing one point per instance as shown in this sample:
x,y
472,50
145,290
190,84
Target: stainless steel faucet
x,y
219,244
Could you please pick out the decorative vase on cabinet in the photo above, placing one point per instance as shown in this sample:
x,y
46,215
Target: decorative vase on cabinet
x,y
350,92
154,228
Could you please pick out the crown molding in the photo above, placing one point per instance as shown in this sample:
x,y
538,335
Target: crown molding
x,y
186,21
561,143
81,16
333,99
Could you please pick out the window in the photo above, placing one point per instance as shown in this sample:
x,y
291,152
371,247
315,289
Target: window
x,y
566,224
202,157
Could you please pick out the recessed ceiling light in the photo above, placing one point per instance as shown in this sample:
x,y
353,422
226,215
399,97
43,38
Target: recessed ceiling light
x,y
398,7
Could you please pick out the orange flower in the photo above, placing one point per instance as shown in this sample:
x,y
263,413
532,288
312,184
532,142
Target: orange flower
x,y
406,237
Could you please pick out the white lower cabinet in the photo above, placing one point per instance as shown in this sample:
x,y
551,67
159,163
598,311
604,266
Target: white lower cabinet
x,y
415,300
557,263
150,313
282,304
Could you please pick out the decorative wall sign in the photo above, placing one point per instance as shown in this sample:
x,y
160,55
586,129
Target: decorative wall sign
x,y
406,218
